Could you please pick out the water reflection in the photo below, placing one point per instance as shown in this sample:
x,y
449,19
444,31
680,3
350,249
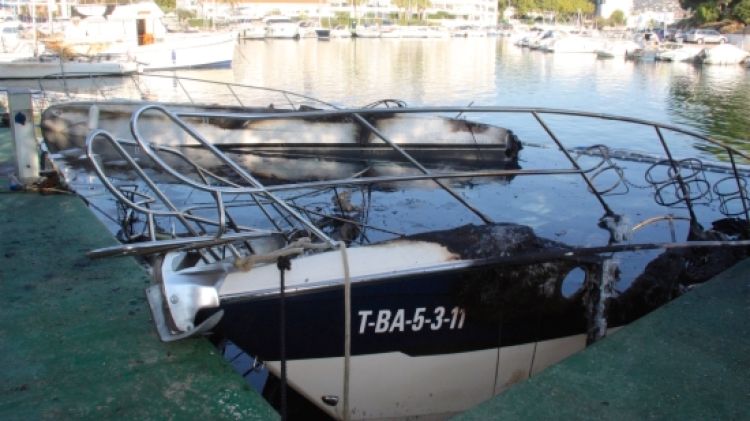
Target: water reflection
x,y
483,71
364,70
713,98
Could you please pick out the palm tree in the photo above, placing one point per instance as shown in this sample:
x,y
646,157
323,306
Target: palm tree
x,y
355,3
422,6
402,5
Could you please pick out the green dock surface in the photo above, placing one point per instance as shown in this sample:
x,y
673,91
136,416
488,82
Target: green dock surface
x,y
689,360
76,337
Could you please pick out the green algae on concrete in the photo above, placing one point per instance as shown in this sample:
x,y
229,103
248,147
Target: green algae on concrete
x,y
687,360
76,339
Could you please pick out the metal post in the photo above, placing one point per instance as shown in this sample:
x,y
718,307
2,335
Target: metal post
x,y
21,113
284,264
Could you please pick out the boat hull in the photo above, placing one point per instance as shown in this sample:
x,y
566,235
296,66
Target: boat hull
x,y
438,343
34,69
297,149
187,51
393,385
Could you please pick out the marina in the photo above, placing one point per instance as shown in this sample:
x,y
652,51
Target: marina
x,y
428,240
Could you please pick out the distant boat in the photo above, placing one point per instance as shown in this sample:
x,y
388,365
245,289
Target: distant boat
x,y
723,54
323,33
678,52
255,29
136,30
341,32
467,31
649,46
617,48
187,51
9,36
575,44
307,30
47,66
367,31
281,27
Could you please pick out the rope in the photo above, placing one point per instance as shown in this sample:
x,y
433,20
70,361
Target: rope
x,y
347,326
281,257
297,247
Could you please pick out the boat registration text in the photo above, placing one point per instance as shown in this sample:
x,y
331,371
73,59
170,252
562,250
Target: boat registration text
x,y
389,321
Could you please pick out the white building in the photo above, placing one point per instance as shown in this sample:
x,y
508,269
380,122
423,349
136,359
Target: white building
x,y
655,13
474,12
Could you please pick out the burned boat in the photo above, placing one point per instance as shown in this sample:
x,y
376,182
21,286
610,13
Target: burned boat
x,y
318,145
430,288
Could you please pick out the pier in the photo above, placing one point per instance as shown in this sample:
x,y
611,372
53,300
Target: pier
x,y
76,336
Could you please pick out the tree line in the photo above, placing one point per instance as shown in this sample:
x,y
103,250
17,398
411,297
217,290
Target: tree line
x,y
707,11
561,9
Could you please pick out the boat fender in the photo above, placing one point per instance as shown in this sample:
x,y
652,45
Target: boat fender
x,y
93,122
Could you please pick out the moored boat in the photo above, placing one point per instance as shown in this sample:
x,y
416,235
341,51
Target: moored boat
x,y
278,26
52,65
136,31
678,52
340,31
574,44
723,54
408,280
617,48
363,31
254,29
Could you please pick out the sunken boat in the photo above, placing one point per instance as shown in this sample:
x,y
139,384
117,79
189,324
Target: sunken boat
x,y
401,284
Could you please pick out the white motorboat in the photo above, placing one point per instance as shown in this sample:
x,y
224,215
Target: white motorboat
x,y
367,31
189,50
649,46
574,44
135,30
617,48
723,54
678,52
546,39
51,65
341,31
255,29
307,29
9,36
281,27
467,31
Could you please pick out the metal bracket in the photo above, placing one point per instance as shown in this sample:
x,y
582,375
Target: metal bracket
x,y
155,302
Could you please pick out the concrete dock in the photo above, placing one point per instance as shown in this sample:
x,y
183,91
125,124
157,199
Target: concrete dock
x,y
76,337
688,360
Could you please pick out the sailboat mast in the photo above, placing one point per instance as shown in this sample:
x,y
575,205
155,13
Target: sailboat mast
x,y
32,6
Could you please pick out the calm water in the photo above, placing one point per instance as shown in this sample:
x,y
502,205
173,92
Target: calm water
x,y
714,100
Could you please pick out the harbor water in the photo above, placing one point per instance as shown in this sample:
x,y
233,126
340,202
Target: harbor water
x,y
712,100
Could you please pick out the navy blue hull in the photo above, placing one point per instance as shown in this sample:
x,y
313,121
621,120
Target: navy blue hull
x,y
481,307
435,313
